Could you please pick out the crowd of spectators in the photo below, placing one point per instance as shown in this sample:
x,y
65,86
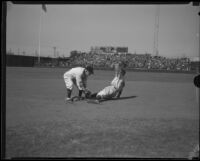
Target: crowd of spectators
x,y
105,60
134,61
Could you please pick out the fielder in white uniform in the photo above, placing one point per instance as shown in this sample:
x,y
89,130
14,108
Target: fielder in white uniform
x,y
77,76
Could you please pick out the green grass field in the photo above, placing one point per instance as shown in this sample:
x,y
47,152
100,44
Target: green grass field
x,y
157,117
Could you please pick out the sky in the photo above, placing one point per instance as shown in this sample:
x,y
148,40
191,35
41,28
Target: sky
x,y
78,27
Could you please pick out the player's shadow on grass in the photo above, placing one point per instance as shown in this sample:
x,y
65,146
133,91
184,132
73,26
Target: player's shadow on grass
x,y
121,98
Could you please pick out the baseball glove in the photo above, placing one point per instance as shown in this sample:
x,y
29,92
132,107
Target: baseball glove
x,y
87,94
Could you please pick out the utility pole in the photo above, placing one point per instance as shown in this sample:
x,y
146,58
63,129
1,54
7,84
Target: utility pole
x,y
54,48
39,37
156,31
40,28
54,56
18,51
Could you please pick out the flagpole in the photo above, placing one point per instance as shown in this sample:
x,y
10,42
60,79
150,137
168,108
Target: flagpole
x,y
39,36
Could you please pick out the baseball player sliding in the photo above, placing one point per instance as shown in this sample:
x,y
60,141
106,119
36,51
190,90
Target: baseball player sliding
x,y
114,90
77,76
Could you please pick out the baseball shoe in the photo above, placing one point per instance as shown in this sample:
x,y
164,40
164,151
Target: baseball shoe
x,y
68,99
93,101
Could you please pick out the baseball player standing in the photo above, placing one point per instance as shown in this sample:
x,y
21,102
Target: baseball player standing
x,y
77,76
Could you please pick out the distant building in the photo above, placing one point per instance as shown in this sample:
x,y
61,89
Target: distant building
x,y
194,59
74,53
9,52
195,64
109,50
122,50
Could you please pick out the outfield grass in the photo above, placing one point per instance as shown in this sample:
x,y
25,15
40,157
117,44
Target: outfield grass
x,y
159,118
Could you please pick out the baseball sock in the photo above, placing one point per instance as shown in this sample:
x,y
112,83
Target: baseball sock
x,y
80,93
119,94
69,93
94,95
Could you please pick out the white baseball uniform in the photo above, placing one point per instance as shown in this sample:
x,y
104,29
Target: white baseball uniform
x,y
111,91
77,77
118,82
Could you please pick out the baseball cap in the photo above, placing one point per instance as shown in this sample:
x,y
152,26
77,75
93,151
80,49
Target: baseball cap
x,y
90,69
